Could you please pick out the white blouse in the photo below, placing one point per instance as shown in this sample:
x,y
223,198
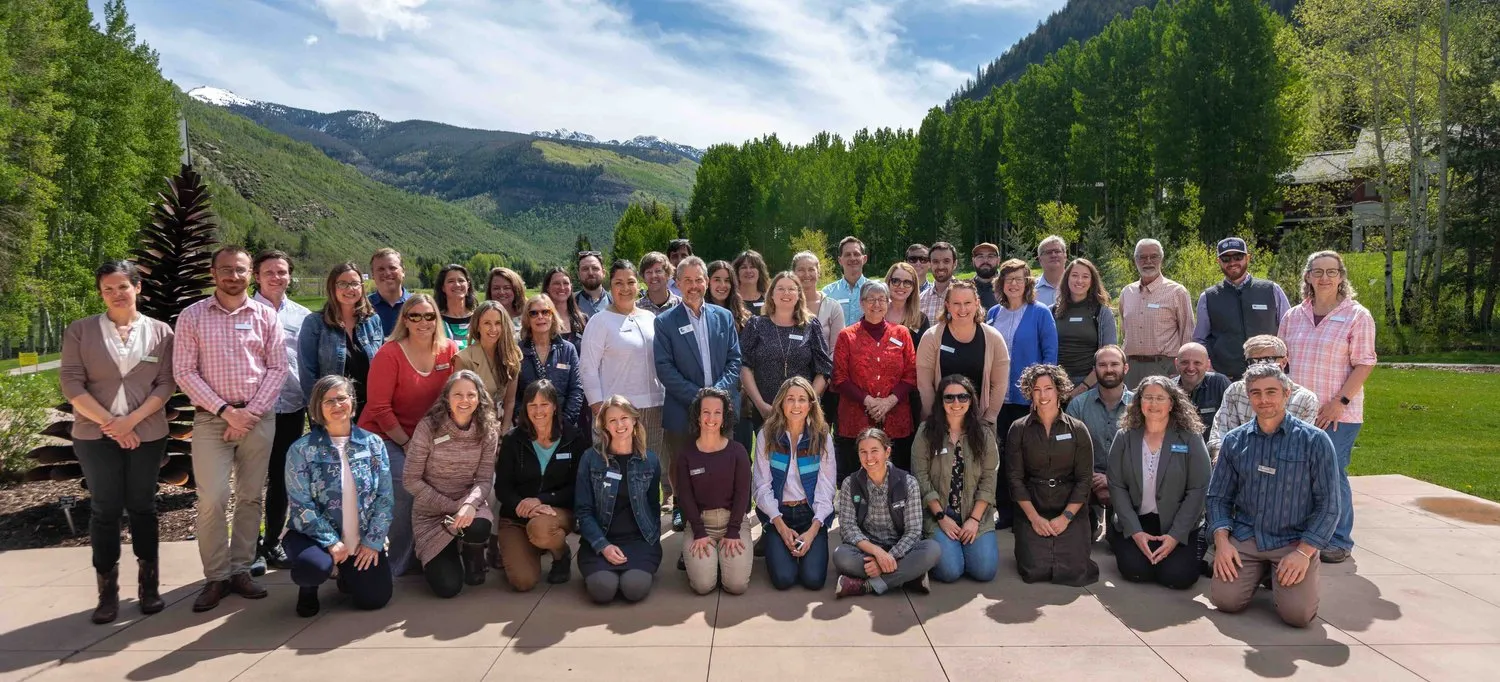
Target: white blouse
x,y
127,355
350,501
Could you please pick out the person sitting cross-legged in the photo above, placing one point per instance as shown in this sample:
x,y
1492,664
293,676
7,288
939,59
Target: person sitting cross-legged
x,y
880,519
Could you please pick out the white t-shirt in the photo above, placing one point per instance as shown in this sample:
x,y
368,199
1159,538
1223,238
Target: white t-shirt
x,y
127,355
349,498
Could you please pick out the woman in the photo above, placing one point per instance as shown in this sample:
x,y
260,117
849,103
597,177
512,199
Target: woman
x,y
752,280
618,355
456,301
450,463
783,343
1050,465
1030,334
796,508
881,551
1330,342
905,308
1085,323
959,344
956,461
116,372
1158,477
875,372
506,287
546,355
723,293
343,338
341,500
493,355
619,530
714,498
535,474
830,313
570,320
406,378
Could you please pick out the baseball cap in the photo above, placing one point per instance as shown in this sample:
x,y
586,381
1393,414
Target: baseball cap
x,y
975,251
1232,245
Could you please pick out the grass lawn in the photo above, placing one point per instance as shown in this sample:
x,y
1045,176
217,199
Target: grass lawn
x,y
1432,425
12,363
1456,357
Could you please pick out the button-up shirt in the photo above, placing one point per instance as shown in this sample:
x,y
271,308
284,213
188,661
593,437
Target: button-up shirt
x,y
1046,294
1235,410
1276,487
290,315
230,356
644,303
879,527
931,302
387,312
590,306
847,296
1158,317
1207,396
1322,355
1103,422
700,332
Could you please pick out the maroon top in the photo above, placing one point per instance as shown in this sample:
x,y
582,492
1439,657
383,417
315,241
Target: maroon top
x,y
713,480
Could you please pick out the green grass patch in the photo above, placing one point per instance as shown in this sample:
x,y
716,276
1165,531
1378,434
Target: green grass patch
x,y
1432,425
12,363
1454,357
671,183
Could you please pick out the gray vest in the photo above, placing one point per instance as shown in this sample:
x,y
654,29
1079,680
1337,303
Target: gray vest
x,y
1235,315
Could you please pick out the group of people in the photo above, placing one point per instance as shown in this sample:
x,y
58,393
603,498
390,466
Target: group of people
x,y
396,431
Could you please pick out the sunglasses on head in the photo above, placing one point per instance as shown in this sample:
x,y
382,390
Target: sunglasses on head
x,y
421,317
956,397
586,254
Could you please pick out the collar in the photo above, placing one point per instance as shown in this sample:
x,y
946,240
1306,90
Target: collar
x,y
259,298
213,300
318,435
884,483
1042,283
377,299
1282,428
1125,398
584,293
804,442
1242,283
875,329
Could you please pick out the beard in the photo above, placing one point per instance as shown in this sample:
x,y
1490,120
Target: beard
x,y
1111,380
985,271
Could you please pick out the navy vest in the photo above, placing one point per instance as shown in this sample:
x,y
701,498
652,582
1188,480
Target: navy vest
x,y
1235,315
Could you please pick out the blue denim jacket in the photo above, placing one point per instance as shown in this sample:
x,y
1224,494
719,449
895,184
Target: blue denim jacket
x,y
599,482
561,370
321,351
314,487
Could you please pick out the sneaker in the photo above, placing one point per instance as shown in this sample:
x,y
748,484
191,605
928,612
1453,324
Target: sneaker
x,y
1334,555
258,566
562,568
307,602
677,522
921,585
851,587
275,557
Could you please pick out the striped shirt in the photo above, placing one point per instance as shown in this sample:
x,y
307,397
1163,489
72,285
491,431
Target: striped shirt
x,y
230,356
1322,355
1276,488
879,527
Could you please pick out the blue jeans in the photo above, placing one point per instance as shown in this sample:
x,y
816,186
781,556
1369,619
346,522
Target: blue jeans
x,y
979,560
811,570
400,545
1343,449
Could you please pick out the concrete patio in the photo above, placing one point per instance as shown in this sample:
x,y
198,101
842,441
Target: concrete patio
x,y
1419,600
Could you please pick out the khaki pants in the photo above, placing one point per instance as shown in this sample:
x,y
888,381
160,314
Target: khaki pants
x,y
1297,605
224,552
523,542
733,572
672,442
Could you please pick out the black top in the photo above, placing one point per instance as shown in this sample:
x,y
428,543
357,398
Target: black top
x,y
356,368
1078,338
986,291
774,353
518,475
623,528
966,359
754,304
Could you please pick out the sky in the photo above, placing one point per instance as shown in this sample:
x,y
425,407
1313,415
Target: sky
x,y
696,72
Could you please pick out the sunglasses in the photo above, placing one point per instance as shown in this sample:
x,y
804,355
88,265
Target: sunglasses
x,y
586,254
1231,258
539,313
1267,360
421,317
957,397
918,259
899,282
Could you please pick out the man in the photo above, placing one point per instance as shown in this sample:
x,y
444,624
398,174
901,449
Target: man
x,y
846,289
677,249
230,360
986,266
657,272
1099,408
1236,309
916,256
1272,504
592,296
696,346
1158,317
1052,253
944,260
880,517
1235,409
1204,386
273,274
390,287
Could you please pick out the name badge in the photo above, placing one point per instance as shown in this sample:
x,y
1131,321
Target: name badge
x,y
794,337
1075,319
1206,410
1338,318
613,475
362,454
442,439
943,451
1258,306
685,329
150,358
698,472
842,301
1266,470
898,505
439,368
563,455
1153,305
563,365
1179,447
243,326
758,303
1065,436
897,343
947,349
627,327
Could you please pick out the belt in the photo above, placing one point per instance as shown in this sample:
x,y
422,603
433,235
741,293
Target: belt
x,y
1150,358
794,503
1054,482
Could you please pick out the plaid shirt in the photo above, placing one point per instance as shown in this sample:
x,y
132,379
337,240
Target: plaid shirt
x,y
230,356
931,302
1323,355
879,527
1276,488
1157,318
1235,410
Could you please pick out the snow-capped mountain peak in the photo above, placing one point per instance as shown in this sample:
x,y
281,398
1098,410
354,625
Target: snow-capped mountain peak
x,y
219,97
564,134
639,142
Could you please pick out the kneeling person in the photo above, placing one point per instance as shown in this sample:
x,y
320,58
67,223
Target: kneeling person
x,y
713,492
535,474
880,515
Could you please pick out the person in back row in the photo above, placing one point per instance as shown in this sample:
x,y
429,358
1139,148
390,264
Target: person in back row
x,y
713,476
986,259
1156,316
341,339
919,259
593,293
390,288
536,472
880,512
1052,254
657,273
1237,308
273,276
677,250
845,290
493,355
943,259
956,462
456,301
1085,323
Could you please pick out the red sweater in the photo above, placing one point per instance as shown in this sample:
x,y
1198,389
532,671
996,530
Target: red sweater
x,y
864,365
397,394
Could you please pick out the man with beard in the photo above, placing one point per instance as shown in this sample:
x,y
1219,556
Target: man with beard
x,y
1052,253
986,265
1236,309
944,259
917,258
592,297
1099,408
1204,386
1157,314
390,287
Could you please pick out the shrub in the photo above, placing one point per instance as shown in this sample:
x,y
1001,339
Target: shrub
x,y
24,401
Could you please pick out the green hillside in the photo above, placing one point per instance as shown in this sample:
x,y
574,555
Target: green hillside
x,y
667,183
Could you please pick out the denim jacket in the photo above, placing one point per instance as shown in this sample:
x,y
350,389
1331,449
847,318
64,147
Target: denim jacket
x,y
321,350
598,483
314,487
561,370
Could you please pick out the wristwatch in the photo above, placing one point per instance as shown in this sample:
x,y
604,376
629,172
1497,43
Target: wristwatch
x,y
1067,515
1344,400
938,516
220,412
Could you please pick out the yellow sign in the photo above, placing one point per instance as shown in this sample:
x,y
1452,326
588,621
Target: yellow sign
x,y
28,359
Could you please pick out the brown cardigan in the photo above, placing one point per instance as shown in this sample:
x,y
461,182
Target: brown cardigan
x,y
89,367
996,370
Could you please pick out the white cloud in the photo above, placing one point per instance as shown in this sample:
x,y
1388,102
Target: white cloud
x,y
310,40
373,18
1009,4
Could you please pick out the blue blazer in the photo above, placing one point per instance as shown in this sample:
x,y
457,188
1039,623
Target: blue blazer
x,y
679,366
1035,343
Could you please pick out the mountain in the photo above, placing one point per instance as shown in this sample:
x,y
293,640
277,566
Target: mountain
x,y
1078,20
638,142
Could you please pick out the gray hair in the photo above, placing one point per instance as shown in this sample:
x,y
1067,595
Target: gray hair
x,y
1267,371
691,262
1149,242
322,388
874,288
1050,240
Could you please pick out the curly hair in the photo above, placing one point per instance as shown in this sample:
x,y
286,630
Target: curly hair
x,y
726,426
1184,415
1059,377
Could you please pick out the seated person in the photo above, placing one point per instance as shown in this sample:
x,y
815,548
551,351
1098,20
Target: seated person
x,y
1158,476
956,462
616,499
338,485
1273,503
880,519
535,474
713,493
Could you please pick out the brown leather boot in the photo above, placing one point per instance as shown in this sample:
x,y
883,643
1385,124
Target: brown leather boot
x,y
149,591
109,596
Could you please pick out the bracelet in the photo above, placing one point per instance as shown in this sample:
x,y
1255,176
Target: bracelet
x,y
1306,556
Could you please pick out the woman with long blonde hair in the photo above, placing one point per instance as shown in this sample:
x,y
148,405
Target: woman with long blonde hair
x,y
616,502
794,480
493,355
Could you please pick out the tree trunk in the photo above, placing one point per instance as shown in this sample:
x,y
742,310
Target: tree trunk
x,y
1487,309
1378,94
1435,286
1416,223
1471,263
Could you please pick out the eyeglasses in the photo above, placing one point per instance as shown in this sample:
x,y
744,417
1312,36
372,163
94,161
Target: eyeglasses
x,y
1149,258
539,313
895,282
1231,258
1267,360
227,271
918,259
1155,399
421,317
1320,273
957,398
1015,280
337,401
1053,252
348,286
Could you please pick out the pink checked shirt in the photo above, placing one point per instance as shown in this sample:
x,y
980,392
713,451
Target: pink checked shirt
x,y
1323,355
230,356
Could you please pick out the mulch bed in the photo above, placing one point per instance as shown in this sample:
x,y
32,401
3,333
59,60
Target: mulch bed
x,y
30,516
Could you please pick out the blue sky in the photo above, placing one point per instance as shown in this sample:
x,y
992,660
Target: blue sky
x,y
693,71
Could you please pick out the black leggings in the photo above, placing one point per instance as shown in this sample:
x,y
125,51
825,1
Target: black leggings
x,y
121,481
445,573
288,429
1178,571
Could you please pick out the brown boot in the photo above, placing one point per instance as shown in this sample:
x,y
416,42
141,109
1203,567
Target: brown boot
x,y
109,596
474,564
149,591
245,586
